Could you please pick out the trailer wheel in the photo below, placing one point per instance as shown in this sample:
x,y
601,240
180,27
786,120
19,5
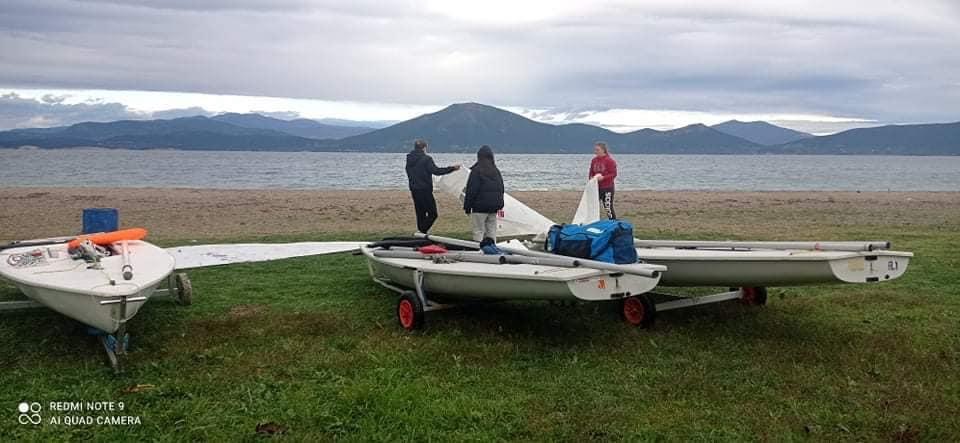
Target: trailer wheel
x,y
184,289
754,296
638,310
410,311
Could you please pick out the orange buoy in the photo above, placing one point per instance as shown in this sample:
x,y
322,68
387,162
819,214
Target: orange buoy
x,y
106,238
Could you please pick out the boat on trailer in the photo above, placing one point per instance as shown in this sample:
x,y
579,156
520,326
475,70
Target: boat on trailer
x,y
101,280
747,268
758,267
430,279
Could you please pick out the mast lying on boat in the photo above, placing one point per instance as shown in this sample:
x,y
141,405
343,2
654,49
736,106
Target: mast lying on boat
x,y
849,246
644,270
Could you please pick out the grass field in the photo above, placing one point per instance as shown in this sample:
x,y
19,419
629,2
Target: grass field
x,y
312,345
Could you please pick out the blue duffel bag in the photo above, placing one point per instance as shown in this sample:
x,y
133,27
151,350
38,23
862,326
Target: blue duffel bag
x,y
609,241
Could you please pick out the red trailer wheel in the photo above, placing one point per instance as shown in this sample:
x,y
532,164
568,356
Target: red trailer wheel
x,y
410,311
638,310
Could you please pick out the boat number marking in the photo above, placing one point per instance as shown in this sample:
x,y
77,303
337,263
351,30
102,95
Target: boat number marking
x,y
26,259
602,284
892,265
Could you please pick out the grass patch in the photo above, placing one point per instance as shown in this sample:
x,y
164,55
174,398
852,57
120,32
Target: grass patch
x,y
311,344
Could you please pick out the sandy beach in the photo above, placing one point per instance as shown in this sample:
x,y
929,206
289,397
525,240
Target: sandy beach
x,y
204,214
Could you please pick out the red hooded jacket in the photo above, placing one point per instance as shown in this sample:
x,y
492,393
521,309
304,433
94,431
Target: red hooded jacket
x,y
606,167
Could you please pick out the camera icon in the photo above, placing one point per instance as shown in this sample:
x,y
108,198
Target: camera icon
x,y
29,413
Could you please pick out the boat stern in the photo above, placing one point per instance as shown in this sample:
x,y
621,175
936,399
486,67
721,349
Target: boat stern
x,y
871,267
611,286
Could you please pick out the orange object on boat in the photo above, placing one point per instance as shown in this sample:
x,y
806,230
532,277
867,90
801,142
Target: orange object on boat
x,y
106,238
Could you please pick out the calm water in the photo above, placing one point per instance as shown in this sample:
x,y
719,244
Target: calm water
x,y
327,170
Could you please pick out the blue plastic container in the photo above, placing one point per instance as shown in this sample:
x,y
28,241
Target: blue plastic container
x,y
100,220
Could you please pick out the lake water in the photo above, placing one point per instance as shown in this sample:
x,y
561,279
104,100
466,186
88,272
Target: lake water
x,y
330,170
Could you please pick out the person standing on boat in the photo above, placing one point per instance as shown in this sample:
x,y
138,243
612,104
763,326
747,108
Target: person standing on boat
x,y
604,168
420,172
483,196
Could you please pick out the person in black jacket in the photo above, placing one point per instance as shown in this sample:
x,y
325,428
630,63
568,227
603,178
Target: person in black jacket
x,y
484,195
420,172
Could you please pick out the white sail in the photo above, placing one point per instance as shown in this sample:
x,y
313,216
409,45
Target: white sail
x,y
199,256
515,219
589,209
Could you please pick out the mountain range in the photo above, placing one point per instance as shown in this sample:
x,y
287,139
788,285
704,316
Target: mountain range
x,y
463,127
300,127
761,133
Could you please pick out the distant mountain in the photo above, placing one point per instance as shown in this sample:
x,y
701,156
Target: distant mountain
x,y
200,133
300,127
692,139
761,133
374,124
925,139
466,126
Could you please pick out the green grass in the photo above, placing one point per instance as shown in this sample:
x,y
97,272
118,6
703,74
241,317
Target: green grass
x,y
312,344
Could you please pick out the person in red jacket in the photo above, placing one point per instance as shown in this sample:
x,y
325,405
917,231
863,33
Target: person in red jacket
x,y
604,168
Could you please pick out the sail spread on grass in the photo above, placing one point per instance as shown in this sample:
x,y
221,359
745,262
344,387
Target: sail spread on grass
x,y
515,219
589,209
199,256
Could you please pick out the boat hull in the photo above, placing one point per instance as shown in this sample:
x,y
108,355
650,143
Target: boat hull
x,y
474,281
51,277
87,308
774,268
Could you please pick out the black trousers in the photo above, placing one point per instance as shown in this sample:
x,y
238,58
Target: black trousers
x,y
426,208
606,201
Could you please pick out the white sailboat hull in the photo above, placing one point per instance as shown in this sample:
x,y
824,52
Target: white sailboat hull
x,y
49,276
479,281
85,308
704,267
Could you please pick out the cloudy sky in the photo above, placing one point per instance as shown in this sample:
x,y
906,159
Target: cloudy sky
x,y
813,65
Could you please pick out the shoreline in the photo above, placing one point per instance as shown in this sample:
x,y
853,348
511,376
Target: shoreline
x,y
509,191
185,214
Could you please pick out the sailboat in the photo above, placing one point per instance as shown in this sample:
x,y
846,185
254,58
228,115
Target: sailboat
x,y
758,264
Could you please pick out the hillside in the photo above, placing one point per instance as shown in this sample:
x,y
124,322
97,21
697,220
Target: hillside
x,y
200,133
692,139
925,139
300,127
761,133
466,126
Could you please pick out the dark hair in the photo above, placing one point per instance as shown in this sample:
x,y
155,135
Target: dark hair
x,y
420,145
603,145
485,164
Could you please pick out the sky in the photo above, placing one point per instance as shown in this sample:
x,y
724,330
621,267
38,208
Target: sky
x,y
817,66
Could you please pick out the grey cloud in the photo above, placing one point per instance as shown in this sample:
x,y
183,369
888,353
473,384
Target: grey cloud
x,y
876,62
19,112
51,111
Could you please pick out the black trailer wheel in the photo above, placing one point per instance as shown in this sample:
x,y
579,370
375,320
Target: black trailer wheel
x,y
754,296
410,311
184,289
638,310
